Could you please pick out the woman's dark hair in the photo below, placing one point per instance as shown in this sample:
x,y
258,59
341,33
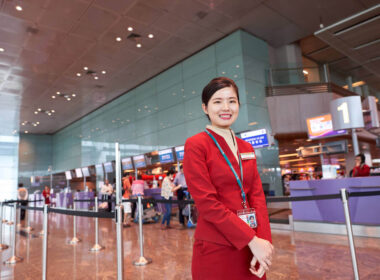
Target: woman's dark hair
x,y
362,158
216,84
170,172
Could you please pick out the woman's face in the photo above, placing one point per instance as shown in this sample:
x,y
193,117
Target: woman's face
x,y
222,108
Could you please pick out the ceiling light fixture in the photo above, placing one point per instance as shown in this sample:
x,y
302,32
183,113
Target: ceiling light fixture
x,y
53,96
26,131
130,28
2,50
39,109
58,93
305,72
79,74
36,112
68,99
96,77
18,8
104,72
53,111
73,95
85,68
118,39
138,45
151,36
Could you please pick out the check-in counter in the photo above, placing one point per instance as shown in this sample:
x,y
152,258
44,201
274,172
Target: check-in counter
x,y
84,196
363,210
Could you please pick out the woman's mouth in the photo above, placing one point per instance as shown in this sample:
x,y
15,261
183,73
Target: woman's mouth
x,y
225,116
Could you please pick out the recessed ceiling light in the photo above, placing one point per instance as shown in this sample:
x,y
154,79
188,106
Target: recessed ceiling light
x,y
39,109
58,93
68,99
73,95
37,122
79,74
34,124
53,96
130,28
2,50
36,112
104,72
138,45
26,131
18,8
22,124
52,111
85,68
118,39
96,77
150,36
49,114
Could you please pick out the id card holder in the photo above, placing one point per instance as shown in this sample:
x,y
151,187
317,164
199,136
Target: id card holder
x,y
248,216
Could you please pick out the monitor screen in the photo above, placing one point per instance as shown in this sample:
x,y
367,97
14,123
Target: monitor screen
x,y
321,127
68,175
180,152
166,156
86,172
99,169
78,173
257,138
139,161
108,168
126,163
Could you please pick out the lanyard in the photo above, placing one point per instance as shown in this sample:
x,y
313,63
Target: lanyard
x,y
232,169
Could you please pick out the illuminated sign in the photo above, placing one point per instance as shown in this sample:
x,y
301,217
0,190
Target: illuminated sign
x,y
257,138
180,152
166,156
321,127
126,163
139,161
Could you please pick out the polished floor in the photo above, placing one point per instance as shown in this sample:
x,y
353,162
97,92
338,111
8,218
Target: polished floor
x,y
298,255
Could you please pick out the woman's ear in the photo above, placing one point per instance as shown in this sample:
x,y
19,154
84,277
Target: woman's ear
x,y
204,107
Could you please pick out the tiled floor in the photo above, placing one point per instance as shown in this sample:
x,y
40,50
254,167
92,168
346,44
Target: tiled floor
x,y
298,255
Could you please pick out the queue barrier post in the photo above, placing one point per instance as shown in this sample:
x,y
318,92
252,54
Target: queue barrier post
x,y
28,228
343,193
142,260
2,246
11,214
74,240
45,243
14,259
18,212
119,242
3,219
97,247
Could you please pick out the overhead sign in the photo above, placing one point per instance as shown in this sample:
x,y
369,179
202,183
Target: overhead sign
x,y
78,172
180,152
347,112
321,127
68,175
139,161
126,163
257,138
86,172
99,169
166,156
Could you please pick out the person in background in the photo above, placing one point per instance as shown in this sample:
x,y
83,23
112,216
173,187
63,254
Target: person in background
x,y
180,182
22,194
138,187
127,205
46,195
167,190
361,169
106,192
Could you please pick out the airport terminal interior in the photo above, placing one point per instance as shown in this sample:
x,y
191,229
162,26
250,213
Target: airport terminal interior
x,y
97,101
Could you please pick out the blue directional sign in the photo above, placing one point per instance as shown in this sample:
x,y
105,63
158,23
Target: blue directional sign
x,y
180,152
166,156
257,138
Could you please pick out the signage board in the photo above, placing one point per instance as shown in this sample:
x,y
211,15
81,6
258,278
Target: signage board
x,y
322,127
166,156
139,161
257,138
78,172
126,163
180,152
346,113
68,175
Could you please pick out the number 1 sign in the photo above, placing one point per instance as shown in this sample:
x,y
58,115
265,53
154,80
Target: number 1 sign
x,y
347,112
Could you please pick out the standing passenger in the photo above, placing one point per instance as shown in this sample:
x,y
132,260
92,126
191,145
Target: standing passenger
x,y
180,182
222,177
46,195
167,193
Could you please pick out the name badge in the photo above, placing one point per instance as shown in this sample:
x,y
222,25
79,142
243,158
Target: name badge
x,y
246,156
248,216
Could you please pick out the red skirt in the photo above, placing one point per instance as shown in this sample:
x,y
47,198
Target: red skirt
x,y
215,261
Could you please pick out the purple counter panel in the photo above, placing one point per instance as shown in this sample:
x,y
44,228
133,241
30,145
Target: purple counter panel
x,y
84,196
156,194
363,210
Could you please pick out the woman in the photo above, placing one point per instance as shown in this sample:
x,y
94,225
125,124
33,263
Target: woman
x,y
46,195
167,193
222,177
126,204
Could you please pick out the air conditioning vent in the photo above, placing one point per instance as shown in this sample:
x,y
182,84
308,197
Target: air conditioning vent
x,y
133,36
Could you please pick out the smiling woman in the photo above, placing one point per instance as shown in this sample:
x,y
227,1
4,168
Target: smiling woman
x,y
232,238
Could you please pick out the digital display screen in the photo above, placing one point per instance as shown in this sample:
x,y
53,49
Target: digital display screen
x,y
108,168
257,138
68,175
139,161
126,163
166,156
86,172
78,172
321,127
180,152
99,169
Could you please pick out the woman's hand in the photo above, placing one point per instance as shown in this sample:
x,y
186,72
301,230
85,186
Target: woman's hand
x,y
262,252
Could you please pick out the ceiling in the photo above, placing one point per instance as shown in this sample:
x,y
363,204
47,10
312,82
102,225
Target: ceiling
x,y
47,43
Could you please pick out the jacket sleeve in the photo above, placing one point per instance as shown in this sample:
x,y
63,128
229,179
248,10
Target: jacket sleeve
x,y
237,232
256,199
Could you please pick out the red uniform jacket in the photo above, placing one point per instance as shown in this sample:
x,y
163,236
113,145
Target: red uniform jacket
x,y
217,194
361,171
